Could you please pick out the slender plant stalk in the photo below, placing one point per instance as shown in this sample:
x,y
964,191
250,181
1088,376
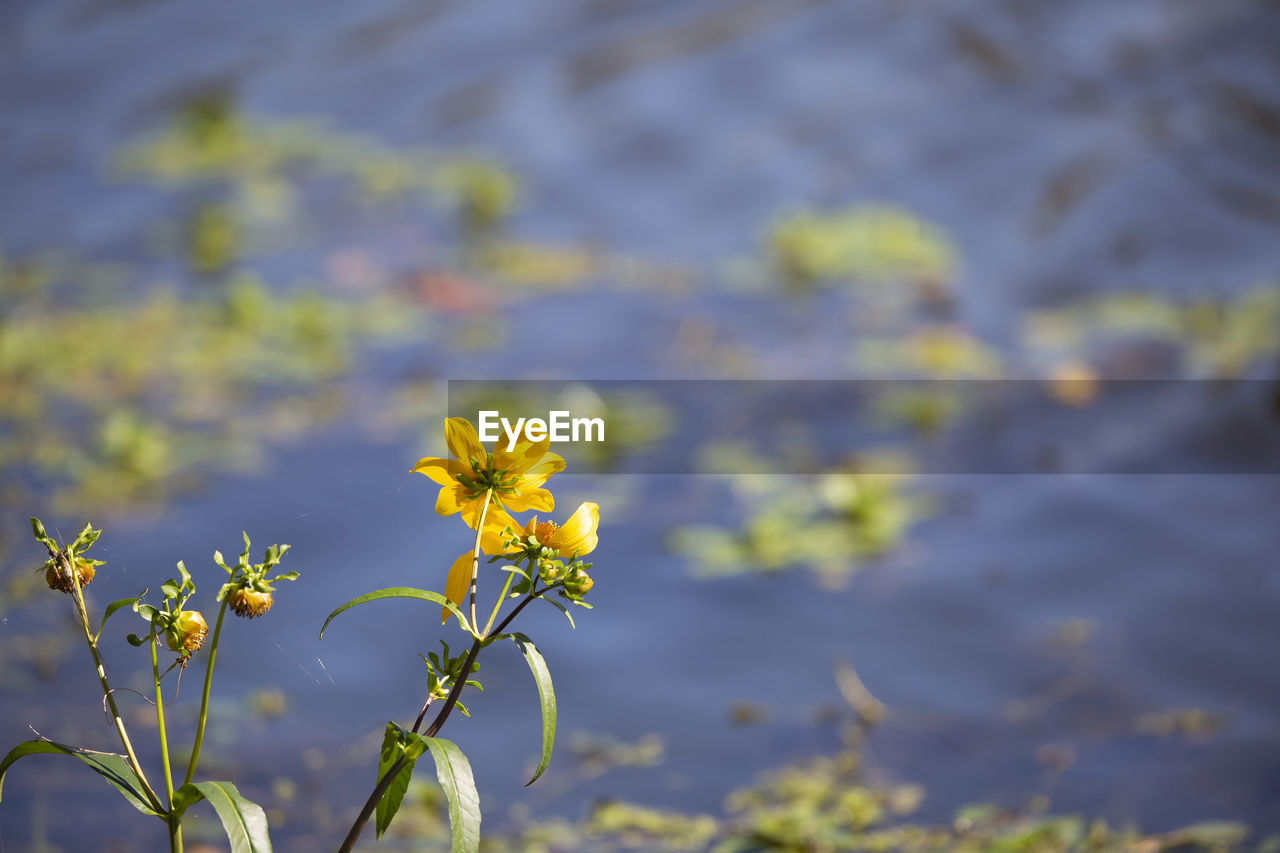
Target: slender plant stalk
x,y
134,765
384,783
475,554
497,605
175,821
204,697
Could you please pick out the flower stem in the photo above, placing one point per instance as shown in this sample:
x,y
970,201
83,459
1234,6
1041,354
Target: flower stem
x,y
380,789
175,821
497,605
134,765
475,555
204,697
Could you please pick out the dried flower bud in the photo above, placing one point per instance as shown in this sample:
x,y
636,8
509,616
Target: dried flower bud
x,y
249,602
62,583
186,634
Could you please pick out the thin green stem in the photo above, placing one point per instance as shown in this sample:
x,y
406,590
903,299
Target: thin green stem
x,y
475,554
160,727
497,605
65,564
204,697
175,821
349,843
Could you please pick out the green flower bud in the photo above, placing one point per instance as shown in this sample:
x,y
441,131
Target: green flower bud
x,y
551,571
578,583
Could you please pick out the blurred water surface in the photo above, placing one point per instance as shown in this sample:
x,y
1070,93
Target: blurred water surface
x,y
1065,151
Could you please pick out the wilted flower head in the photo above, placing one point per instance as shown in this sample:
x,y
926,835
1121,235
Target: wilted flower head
x,y
186,633
59,580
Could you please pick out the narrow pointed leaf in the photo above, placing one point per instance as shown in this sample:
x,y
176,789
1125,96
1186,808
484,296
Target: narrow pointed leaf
x,y
546,697
395,744
243,820
112,608
400,592
562,609
109,765
454,773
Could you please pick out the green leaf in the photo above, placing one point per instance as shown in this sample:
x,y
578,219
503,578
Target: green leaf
x,y
546,696
454,773
243,820
395,745
84,538
516,570
562,609
109,765
112,608
42,536
400,592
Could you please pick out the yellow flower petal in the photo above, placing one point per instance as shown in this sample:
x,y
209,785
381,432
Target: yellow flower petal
x,y
494,523
524,450
472,507
537,499
457,584
578,534
531,462
442,471
452,499
463,442
540,471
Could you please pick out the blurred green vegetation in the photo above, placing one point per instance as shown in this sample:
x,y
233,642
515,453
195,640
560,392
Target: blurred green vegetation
x,y
109,406
867,242
833,524
827,804
1208,337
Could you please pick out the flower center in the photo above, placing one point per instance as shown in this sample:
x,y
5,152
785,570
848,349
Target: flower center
x,y
484,477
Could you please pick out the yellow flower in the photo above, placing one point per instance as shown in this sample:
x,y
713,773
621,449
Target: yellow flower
x,y
575,536
515,477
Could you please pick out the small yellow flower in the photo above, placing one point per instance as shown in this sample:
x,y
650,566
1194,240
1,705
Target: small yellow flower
x,y
515,477
576,536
